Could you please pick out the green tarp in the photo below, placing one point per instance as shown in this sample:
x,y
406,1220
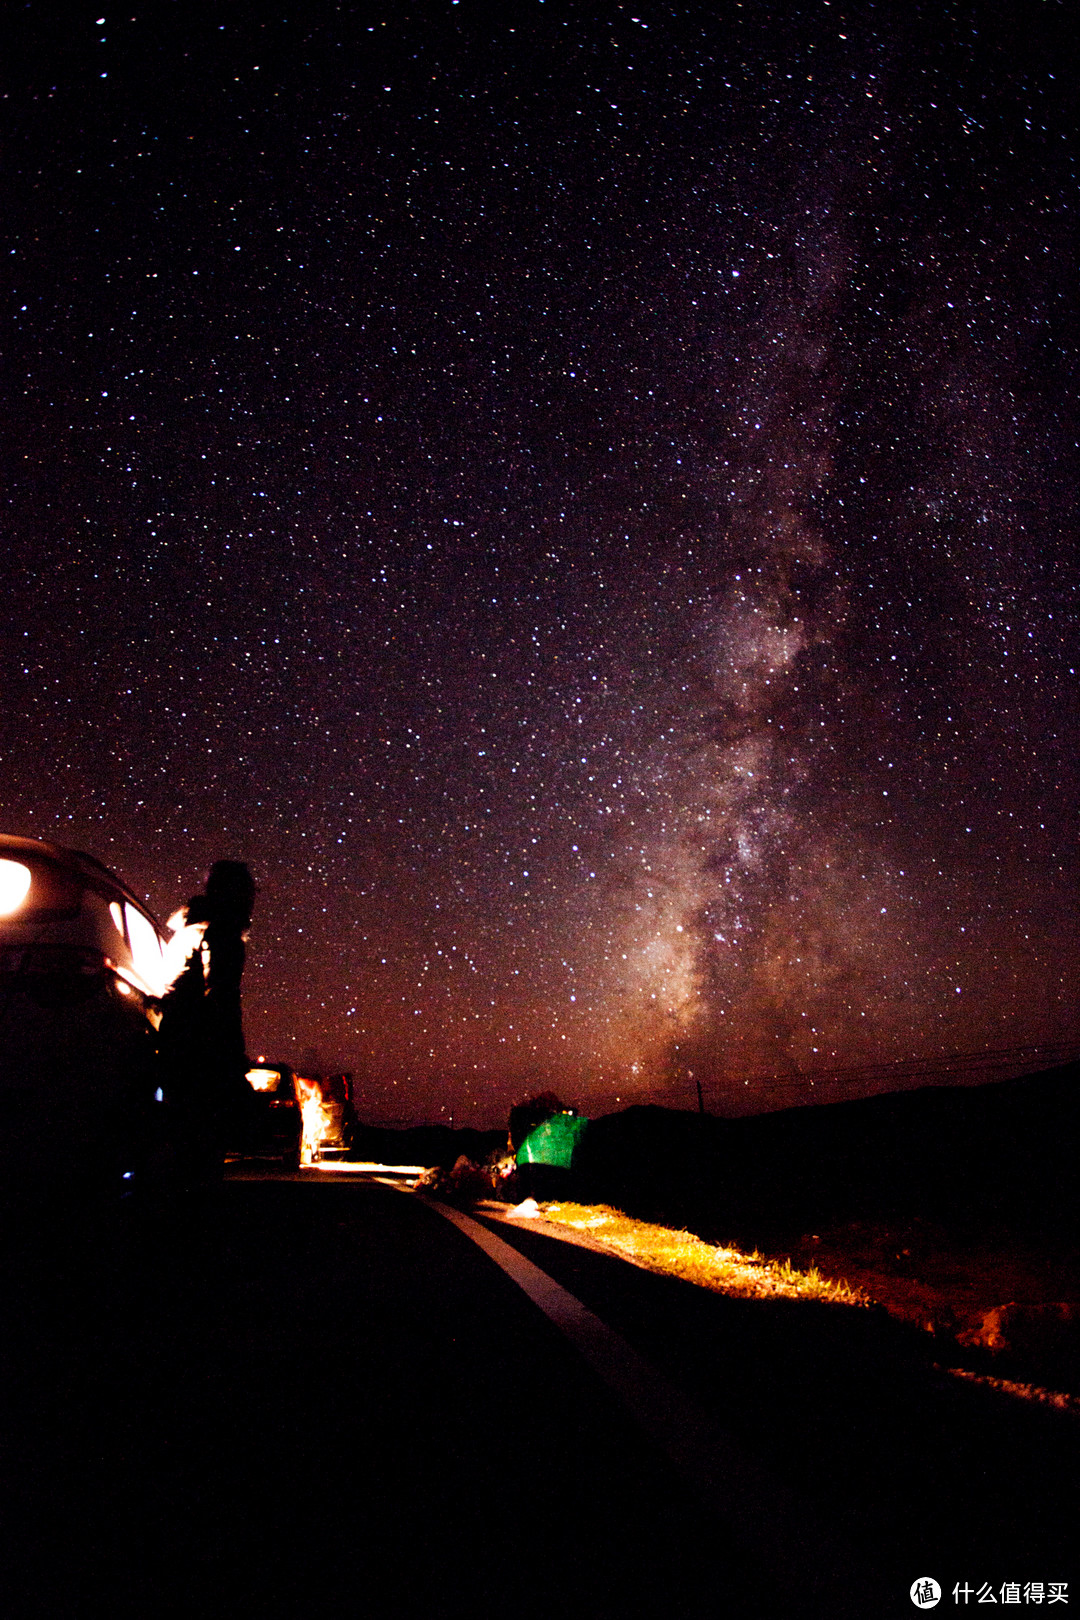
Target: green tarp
x,y
554,1142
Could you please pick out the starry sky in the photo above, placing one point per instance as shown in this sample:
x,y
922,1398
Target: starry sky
x,y
582,498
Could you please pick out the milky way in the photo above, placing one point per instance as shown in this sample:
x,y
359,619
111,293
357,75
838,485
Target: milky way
x,y
583,500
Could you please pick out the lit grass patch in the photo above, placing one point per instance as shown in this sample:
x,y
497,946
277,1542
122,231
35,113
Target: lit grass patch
x,y
726,1270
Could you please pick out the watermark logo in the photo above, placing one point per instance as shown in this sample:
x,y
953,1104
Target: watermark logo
x,y
925,1592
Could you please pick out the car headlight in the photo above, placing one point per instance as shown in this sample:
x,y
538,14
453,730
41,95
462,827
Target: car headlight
x,y
14,886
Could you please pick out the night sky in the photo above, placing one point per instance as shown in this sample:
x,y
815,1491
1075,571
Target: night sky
x,y
581,497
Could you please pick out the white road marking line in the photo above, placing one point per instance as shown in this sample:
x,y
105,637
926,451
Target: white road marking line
x,y
766,1514
673,1419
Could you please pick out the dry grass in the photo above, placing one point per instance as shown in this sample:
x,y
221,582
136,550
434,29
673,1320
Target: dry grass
x,y
681,1254
1061,1400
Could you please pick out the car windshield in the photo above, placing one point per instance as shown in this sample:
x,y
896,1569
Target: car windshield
x,y
264,1079
145,949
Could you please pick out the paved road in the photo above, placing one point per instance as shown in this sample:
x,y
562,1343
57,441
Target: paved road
x,y
309,1393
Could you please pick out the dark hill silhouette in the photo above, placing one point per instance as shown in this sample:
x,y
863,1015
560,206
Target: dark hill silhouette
x,y
996,1155
1000,1155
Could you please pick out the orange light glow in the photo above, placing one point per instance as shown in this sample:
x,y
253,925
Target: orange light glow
x,y
317,1116
263,1079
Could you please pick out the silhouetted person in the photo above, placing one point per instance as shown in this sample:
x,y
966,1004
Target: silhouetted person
x,y
201,1039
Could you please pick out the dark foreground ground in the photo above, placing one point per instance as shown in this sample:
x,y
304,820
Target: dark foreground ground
x,y
316,1396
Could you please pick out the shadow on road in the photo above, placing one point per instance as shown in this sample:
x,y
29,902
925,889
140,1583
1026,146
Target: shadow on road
x,y
290,1398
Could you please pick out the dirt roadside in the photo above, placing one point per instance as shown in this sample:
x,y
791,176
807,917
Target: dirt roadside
x,y
997,1308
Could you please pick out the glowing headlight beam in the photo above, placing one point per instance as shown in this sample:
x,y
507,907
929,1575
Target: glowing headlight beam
x,y
14,886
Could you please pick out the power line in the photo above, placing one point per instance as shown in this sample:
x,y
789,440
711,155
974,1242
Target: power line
x,y
990,1063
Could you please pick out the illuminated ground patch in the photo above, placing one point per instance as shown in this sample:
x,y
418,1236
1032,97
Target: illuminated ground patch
x,y
726,1270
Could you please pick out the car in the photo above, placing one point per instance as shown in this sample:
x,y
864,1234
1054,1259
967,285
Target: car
x,y
81,976
272,1124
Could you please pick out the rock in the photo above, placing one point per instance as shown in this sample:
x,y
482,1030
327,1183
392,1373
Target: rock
x,y
1047,1337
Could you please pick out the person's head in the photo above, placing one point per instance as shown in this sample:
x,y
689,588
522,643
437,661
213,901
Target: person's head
x,y
230,893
